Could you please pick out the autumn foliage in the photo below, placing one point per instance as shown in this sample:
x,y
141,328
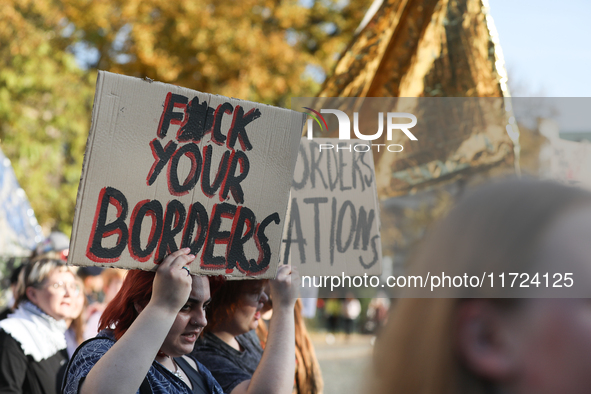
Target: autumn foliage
x,y
265,51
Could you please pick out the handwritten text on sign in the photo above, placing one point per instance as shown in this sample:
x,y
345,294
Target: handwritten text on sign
x,y
334,217
197,182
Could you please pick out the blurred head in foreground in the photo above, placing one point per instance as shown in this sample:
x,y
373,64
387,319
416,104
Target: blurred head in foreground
x,y
478,340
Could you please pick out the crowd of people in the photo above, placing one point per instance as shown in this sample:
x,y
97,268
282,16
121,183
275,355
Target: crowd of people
x,y
49,315
345,315
168,331
87,330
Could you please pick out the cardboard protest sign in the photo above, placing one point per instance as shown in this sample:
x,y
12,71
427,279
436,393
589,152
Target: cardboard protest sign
x,y
168,167
334,219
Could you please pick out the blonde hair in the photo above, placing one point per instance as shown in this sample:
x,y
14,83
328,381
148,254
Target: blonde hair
x,y
497,227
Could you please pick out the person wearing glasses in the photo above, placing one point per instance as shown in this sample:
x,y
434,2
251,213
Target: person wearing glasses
x,y
32,340
148,331
230,348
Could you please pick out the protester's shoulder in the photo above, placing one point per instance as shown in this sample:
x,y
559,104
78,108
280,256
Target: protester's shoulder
x,y
4,314
253,350
4,336
85,357
211,356
97,345
8,344
250,338
209,342
105,336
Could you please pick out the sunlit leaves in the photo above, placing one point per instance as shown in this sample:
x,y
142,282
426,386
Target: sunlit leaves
x,y
260,50
44,109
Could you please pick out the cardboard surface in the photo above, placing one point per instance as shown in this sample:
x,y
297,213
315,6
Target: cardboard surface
x,y
168,167
334,224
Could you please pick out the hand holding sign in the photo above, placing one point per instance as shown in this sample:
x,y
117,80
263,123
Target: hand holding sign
x,y
168,168
172,285
285,287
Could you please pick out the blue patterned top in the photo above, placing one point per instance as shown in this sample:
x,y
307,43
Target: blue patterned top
x,y
161,380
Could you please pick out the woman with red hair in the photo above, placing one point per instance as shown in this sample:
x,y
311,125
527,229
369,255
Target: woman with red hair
x,y
146,333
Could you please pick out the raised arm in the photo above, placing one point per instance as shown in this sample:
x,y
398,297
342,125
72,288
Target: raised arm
x,y
123,367
275,372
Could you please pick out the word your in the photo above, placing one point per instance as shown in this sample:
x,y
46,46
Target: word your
x,y
204,226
